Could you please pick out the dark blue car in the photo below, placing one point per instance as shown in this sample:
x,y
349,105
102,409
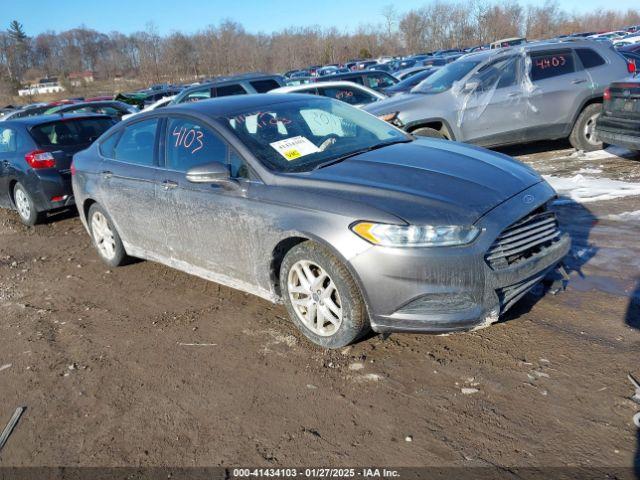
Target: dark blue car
x,y
35,160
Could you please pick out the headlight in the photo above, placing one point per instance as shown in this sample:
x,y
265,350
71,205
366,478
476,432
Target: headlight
x,y
415,235
392,118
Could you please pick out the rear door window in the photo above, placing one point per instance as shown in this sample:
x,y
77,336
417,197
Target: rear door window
x,y
551,64
70,132
227,90
589,58
137,143
263,86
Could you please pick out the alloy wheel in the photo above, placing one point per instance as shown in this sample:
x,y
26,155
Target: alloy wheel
x,y
22,204
103,236
590,130
315,298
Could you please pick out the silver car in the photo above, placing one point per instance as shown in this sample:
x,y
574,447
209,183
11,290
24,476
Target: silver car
x,y
536,91
305,200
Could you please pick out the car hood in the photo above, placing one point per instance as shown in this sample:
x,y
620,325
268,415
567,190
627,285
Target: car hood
x,y
398,103
427,181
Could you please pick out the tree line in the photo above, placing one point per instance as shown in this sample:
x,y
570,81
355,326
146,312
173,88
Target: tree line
x,y
226,47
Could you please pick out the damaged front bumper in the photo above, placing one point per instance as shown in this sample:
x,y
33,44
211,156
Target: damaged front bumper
x,y
440,290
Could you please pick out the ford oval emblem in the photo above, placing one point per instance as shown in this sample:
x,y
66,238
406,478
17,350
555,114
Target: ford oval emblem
x,y
528,199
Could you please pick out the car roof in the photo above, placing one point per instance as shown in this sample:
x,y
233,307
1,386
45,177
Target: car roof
x,y
233,79
357,73
40,119
84,104
224,105
308,86
535,46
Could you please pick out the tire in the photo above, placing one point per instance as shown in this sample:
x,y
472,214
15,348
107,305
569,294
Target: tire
x,y
105,237
25,206
583,134
429,132
352,322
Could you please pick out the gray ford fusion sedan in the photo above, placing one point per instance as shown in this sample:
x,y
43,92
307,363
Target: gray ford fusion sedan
x,y
349,221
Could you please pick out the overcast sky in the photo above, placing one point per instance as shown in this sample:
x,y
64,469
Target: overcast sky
x,y
191,15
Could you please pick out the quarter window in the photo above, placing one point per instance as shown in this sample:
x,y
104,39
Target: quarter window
x,y
8,140
107,147
551,64
263,86
227,90
137,142
589,58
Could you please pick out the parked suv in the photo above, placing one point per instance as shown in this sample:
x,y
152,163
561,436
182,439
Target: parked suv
x,y
536,91
238,85
35,160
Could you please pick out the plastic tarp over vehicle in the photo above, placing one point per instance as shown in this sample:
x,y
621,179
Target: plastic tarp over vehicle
x,y
500,95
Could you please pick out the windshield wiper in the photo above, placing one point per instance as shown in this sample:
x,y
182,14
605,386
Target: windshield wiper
x,y
358,152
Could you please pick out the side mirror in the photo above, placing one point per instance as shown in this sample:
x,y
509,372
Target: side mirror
x,y
214,173
471,86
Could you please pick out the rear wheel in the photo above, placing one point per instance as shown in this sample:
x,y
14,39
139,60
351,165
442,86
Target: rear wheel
x,y
322,297
25,206
583,136
105,237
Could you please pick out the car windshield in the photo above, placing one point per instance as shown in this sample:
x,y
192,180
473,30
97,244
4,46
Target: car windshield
x,y
444,78
302,135
413,80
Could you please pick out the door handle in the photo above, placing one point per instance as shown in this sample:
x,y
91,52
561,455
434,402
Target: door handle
x,y
169,184
578,81
513,94
106,174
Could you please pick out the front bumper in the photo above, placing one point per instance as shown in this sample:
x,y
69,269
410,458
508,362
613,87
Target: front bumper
x,y
453,288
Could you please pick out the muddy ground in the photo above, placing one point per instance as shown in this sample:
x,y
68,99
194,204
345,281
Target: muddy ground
x,y
144,365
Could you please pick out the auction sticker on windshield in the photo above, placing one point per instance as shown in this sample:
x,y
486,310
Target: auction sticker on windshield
x,y
294,147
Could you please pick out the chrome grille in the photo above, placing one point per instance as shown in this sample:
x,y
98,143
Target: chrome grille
x,y
523,239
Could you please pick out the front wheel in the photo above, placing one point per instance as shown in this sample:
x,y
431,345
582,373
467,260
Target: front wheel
x,y
105,237
322,297
583,136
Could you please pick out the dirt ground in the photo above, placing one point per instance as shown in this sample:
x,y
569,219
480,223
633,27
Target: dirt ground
x,y
144,365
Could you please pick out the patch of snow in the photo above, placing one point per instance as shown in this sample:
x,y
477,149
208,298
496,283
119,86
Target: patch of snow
x,y
469,391
590,170
624,216
583,189
609,152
